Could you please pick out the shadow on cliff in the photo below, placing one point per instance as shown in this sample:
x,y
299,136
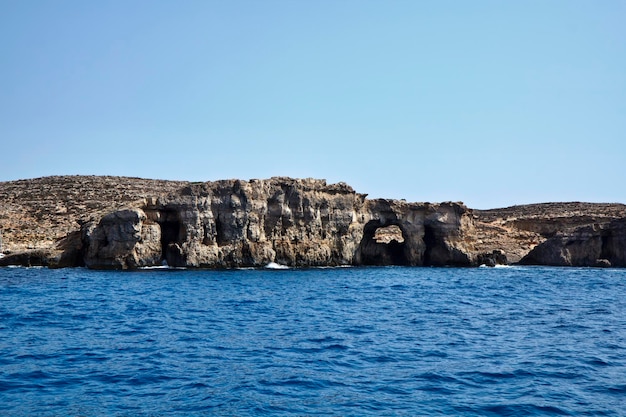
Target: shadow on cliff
x,y
393,243
171,238
383,244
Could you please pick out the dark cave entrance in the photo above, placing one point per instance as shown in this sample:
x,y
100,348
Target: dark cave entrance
x,y
382,245
171,237
431,243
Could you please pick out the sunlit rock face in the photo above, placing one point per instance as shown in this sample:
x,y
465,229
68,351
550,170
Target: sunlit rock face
x,y
516,231
294,222
233,223
127,223
414,234
122,240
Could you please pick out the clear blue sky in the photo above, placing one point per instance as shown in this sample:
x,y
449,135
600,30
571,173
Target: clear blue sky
x,y
493,103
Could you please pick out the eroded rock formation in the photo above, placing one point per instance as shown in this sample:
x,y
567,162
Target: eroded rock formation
x,y
127,223
558,234
235,223
291,222
121,240
37,213
432,234
599,245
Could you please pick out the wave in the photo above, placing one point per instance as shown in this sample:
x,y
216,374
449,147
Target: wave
x,y
25,267
496,266
161,267
332,267
274,265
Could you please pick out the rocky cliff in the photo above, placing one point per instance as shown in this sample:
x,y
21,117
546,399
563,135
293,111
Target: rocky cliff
x,y
302,222
558,234
598,244
126,223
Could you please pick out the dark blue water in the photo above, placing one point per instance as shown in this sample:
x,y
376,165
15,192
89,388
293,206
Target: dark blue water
x,y
345,342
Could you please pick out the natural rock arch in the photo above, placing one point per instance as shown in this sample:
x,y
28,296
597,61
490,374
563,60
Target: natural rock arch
x,y
383,244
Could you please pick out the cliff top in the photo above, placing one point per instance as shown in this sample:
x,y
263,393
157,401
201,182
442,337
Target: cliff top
x,y
554,210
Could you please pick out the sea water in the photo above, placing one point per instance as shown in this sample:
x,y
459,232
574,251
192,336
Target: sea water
x,y
301,342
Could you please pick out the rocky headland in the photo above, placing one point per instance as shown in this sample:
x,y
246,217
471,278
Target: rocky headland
x,y
127,223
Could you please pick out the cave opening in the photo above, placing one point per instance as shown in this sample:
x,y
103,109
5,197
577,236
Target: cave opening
x,y
382,245
220,231
605,251
430,241
171,234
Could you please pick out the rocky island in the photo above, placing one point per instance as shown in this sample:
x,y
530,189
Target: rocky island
x,y
126,223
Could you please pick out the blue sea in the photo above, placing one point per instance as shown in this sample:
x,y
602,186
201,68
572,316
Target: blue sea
x,y
388,341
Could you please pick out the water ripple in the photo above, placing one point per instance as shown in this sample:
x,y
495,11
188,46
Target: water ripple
x,y
349,342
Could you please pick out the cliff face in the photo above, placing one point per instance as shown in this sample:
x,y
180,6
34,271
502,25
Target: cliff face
x,y
122,223
234,223
36,213
600,245
291,222
517,231
427,234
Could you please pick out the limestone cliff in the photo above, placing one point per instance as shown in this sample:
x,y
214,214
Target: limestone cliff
x,y
431,234
302,222
36,213
231,224
126,223
531,234
600,245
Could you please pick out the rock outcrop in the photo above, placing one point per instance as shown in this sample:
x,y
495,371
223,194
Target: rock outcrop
x,y
232,224
432,234
291,222
599,245
121,240
518,230
127,223
37,213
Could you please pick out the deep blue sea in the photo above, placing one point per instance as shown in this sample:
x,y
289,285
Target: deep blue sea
x,y
520,341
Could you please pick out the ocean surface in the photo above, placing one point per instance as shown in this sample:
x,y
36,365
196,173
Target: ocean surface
x,y
519,341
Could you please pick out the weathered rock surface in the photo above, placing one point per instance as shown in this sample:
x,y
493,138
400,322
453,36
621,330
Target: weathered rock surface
x,y
120,240
291,222
231,224
432,234
516,231
599,245
36,213
126,223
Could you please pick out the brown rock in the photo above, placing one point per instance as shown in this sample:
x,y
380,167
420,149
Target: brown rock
x,y
117,222
596,245
517,230
292,222
122,240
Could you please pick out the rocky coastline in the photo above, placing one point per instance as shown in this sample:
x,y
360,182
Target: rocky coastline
x,y
106,222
